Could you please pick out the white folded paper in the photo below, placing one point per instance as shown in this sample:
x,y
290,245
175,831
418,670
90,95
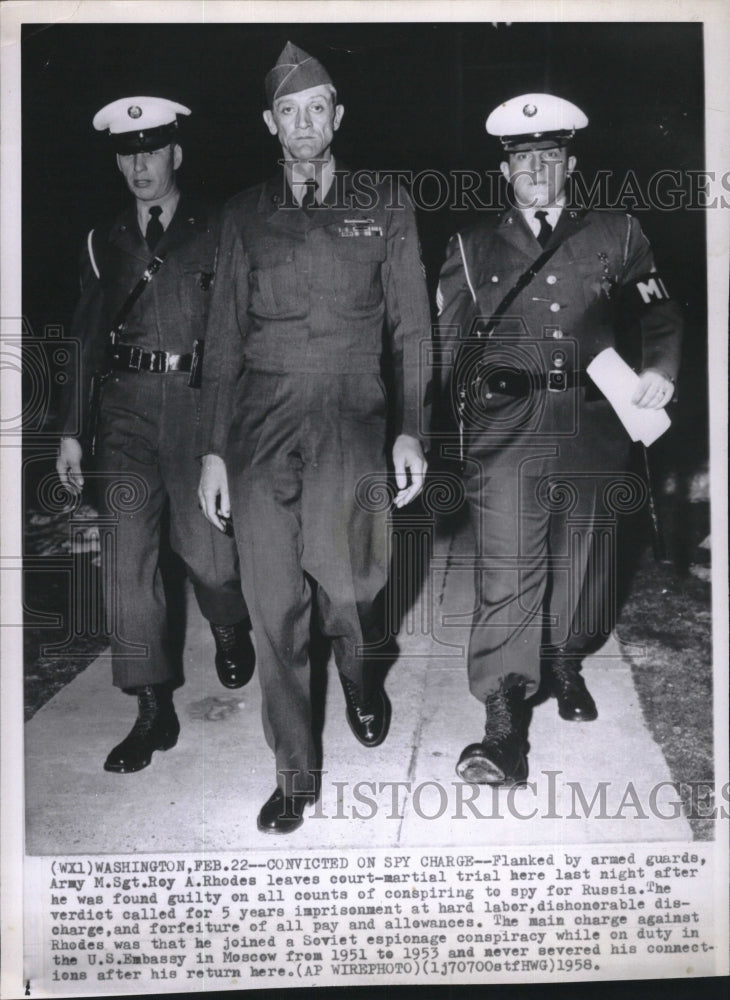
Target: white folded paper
x,y
618,384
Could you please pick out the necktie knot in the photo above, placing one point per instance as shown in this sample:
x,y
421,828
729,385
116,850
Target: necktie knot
x,y
154,230
545,228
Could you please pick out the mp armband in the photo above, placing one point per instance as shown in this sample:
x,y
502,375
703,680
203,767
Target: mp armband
x,y
644,293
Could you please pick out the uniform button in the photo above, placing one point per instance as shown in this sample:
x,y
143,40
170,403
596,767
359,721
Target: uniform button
x,y
551,279
554,307
557,334
495,278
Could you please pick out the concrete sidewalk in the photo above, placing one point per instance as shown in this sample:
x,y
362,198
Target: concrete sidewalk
x,y
588,783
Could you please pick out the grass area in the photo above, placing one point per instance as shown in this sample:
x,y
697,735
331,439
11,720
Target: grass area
x,y
668,614
46,673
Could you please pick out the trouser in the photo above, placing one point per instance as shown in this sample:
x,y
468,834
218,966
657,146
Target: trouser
x,y
299,456
546,542
147,465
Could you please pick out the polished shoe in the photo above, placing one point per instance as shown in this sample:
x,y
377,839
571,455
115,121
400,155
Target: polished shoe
x,y
156,728
575,703
282,813
235,658
369,721
501,757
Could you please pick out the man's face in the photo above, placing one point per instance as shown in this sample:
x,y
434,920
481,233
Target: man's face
x,y
151,176
305,123
538,176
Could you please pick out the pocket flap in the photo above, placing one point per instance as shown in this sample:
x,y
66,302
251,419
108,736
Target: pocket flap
x,y
360,248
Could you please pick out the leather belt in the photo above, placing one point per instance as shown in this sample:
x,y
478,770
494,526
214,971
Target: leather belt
x,y
133,359
519,382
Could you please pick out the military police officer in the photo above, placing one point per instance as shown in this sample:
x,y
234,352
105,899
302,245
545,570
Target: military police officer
x,y
527,300
294,413
146,284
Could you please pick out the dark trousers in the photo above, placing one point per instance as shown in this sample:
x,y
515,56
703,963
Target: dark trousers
x,y
299,447
147,464
546,542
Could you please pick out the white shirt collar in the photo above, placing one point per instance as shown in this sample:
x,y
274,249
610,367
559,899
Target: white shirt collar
x,y
168,206
553,214
322,171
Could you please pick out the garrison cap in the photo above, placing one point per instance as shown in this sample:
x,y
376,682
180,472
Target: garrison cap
x,y
295,70
535,118
140,124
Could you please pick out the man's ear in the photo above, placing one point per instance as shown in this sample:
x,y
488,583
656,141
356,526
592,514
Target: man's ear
x,y
177,156
270,123
504,167
339,113
571,164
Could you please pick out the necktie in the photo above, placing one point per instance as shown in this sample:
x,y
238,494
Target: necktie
x,y
546,229
154,232
309,198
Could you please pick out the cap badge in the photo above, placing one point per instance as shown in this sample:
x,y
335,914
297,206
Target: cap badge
x,y
134,111
529,110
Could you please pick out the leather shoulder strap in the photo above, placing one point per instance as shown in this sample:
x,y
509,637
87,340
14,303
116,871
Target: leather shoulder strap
x,y
126,307
522,282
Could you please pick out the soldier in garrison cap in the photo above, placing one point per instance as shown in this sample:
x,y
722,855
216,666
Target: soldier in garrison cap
x,y
307,281
544,452
145,292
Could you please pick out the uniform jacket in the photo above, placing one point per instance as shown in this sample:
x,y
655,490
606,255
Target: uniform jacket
x,y
171,313
583,300
301,292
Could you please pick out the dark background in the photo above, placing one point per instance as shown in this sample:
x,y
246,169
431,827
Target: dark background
x,y
416,97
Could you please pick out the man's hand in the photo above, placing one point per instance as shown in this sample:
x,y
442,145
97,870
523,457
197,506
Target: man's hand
x,y
408,458
68,463
653,391
213,491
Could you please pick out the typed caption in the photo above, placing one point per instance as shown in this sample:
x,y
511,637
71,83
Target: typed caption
x,y
122,925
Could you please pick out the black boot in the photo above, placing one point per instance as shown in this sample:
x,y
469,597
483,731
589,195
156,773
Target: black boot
x,y
283,813
156,728
501,757
574,699
235,657
368,719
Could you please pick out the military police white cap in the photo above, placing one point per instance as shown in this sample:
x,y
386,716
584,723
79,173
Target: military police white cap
x,y
140,123
531,118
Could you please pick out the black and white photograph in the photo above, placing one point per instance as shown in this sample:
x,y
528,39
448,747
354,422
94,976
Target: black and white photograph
x,y
368,558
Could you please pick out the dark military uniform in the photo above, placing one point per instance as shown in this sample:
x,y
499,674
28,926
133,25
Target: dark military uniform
x,y
147,431
293,399
545,470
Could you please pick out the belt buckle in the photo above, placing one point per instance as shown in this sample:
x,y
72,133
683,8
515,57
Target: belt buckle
x,y
159,362
557,380
135,359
